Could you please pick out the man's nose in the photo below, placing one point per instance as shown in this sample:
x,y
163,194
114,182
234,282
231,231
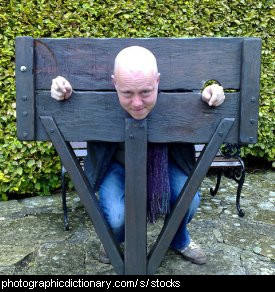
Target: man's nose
x,y
137,101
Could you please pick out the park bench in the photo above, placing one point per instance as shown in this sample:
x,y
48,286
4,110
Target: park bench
x,y
93,113
232,166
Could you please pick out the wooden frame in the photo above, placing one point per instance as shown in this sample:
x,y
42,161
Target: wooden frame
x,y
95,114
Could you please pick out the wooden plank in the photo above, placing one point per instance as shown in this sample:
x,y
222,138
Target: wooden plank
x,y
88,63
85,192
177,117
135,197
191,186
81,118
250,89
25,103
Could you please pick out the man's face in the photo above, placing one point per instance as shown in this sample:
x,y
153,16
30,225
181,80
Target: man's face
x,y
137,92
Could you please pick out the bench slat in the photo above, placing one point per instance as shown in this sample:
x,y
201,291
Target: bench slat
x,y
219,161
80,153
219,157
225,164
79,145
199,147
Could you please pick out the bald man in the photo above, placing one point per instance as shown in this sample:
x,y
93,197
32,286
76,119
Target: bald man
x,y
136,79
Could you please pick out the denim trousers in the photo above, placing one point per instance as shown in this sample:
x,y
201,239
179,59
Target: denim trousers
x,y
111,200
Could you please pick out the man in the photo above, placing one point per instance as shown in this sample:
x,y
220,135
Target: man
x,y
136,81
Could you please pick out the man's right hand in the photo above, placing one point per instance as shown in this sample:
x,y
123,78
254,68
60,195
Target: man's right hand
x,y
61,88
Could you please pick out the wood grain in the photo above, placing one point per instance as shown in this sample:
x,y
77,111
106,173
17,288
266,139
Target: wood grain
x,y
184,63
177,117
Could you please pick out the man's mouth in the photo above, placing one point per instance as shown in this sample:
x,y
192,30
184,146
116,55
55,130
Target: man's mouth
x,y
138,110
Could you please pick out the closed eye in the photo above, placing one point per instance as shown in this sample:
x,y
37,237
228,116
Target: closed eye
x,y
146,92
126,93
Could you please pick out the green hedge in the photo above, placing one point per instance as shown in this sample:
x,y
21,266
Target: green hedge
x,y
33,167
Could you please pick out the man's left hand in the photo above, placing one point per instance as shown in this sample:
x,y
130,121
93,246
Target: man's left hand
x,y
213,95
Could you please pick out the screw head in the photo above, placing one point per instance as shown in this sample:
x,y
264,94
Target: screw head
x,y
25,134
251,139
131,136
24,97
253,99
23,68
25,114
52,130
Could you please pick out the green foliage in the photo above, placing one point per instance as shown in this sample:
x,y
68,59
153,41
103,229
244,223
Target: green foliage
x,y
33,167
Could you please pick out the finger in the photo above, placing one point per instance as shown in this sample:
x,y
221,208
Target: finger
x,y
206,94
60,83
68,86
220,100
215,98
57,95
67,94
57,84
212,100
217,94
54,85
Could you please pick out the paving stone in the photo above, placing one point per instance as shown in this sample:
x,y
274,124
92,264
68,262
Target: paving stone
x,y
33,240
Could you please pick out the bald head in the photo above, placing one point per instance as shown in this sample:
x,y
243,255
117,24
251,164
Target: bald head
x,y
135,59
136,80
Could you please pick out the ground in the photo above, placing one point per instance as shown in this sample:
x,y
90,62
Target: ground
x,y
33,240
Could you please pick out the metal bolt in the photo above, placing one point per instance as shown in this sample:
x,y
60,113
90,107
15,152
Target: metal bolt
x,y
252,121
25,114
25,134
141,126
23,68
52,130
251,139
220,134
253,99
24,97
131,136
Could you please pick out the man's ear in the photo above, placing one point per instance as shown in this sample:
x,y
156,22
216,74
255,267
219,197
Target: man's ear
x,y
158,78
113,80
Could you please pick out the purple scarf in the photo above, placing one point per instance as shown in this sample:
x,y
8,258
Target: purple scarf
x,y
158,187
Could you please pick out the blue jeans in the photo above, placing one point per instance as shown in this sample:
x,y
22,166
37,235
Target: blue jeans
x,y
111,199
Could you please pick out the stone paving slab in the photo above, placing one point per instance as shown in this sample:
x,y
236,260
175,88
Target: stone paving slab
x,y
33,240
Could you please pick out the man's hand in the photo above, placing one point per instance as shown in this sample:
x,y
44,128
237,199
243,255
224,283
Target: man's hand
x,y
213,95
61,88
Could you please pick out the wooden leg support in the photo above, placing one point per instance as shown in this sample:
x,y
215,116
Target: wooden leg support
x,y
135,256
85,192
188,192
135,195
